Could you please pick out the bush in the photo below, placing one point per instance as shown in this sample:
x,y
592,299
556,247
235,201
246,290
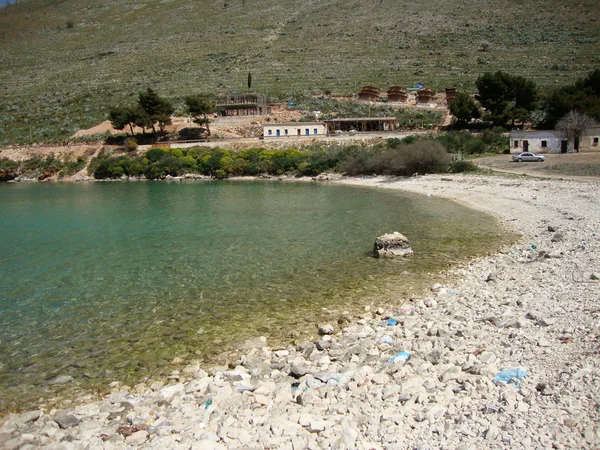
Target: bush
x,y
130,145
462,166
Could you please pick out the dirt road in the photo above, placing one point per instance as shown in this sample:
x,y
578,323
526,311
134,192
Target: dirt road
x,y
569,166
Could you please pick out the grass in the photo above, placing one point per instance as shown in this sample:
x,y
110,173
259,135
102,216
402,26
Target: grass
x,y
64,62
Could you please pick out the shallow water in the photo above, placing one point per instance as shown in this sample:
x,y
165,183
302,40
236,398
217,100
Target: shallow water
x,y
110,281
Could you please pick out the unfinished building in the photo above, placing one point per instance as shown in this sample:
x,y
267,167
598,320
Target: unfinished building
x,y
450,95
369,94
242,105
425,97
397,94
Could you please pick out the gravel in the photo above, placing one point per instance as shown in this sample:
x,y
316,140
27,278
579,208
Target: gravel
x,y
427,381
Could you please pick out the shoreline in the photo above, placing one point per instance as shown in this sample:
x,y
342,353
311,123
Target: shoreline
x,y
537,309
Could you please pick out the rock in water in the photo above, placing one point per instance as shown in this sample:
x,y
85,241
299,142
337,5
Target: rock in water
x,y
392,245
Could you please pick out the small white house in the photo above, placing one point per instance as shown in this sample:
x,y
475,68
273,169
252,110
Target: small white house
x,y
542,141
294,129
553,141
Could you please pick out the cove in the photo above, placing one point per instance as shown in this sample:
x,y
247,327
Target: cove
x,y
110,281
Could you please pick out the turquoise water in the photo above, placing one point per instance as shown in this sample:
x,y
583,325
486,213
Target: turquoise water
x,y
109,281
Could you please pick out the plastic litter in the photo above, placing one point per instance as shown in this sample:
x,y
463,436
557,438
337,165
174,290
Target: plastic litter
x,y
392,322
400,357
386,340
451,292
513,376
207,404
154,428
406,309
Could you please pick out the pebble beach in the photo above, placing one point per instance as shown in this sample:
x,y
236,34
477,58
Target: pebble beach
x,y
503,352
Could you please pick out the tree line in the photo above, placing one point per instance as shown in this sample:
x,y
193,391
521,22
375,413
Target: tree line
x,y
510,99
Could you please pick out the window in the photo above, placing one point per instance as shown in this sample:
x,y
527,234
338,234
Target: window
x,y
595,142
270,133
544,144
315,131
516,144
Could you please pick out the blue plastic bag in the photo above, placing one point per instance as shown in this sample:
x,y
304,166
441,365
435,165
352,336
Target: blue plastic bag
x,y
402,356
510,376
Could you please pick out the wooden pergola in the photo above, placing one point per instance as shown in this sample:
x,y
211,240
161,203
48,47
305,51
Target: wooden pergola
x,y
361,124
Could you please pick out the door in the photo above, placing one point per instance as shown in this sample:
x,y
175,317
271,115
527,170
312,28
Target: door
x,y
278,133
307,132
576,144
564,146
525,145
299,132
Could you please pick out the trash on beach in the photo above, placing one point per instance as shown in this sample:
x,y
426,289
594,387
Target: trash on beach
x,y
386,340
513,376
451,292
391,322
406,309
207,403
400,357
154,428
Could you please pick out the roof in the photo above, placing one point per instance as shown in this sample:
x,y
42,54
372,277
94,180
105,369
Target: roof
x,y
535,133
361,119
292,124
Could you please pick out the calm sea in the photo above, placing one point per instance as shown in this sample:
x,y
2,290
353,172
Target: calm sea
x,y
110,281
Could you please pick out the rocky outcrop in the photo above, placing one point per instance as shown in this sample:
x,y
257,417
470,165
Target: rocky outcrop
x,y
392,245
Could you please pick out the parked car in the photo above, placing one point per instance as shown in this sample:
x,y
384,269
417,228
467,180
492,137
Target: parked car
x,y
528,156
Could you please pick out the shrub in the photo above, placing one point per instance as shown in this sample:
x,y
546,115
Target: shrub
x,y
130,145
462,166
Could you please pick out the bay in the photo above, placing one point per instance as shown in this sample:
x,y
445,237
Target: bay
x,y
110,281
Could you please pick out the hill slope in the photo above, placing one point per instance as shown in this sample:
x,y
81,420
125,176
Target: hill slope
x,y
62,62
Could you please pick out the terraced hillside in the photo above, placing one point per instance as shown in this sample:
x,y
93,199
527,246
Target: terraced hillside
x,y
62,62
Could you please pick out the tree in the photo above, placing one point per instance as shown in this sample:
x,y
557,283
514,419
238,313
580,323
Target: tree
x,y
464,108
121,116
506,96
574,124
156,108
199,106
583,96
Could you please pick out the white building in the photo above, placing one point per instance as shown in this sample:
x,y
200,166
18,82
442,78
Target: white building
x,y
294,129
552,141
542,141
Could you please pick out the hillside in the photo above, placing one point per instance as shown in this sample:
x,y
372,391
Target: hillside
x,y
63,62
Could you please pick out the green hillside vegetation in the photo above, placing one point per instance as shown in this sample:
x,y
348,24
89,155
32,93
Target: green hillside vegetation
x,y
63,63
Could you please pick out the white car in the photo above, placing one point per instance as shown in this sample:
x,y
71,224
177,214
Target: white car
x,y
528,156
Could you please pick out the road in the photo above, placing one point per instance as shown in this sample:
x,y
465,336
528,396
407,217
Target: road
x,y
557,166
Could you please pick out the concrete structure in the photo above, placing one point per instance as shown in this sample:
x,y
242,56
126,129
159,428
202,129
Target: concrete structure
x,y
538,141
370,94
361,124
589,140
242,105
450,95
553,141
294,129
397,94
426,97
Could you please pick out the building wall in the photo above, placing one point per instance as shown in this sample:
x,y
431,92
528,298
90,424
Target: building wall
x,y
294,129
538,141
590,141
